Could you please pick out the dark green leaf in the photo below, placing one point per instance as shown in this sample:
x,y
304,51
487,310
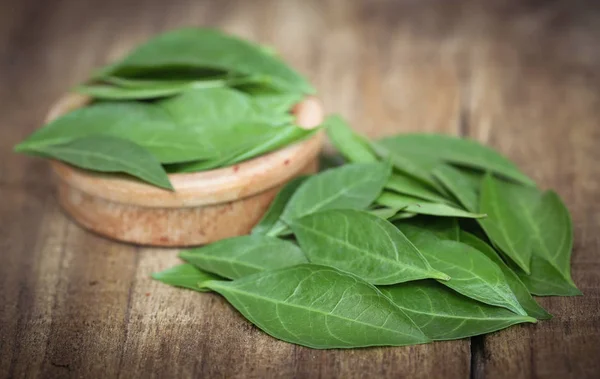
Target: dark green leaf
x,y
186,276
442,227
552,243
109,154
443,314
278,205
530,306
362,244
509,223
472,273
207,49
420,206
348,143
456,150
237,257
319,307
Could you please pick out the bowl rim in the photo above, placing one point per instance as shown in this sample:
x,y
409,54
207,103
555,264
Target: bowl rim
x,y
215,186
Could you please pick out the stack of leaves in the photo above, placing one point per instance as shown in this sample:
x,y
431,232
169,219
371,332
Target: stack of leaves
x,y
418,238
188,100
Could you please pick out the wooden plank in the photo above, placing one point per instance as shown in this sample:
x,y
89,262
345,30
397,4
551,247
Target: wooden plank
x,y
540,105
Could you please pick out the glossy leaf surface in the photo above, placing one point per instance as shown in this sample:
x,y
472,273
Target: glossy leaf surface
x,y
443,314
237,257
552,243
471,272
362,244
319,307
521,292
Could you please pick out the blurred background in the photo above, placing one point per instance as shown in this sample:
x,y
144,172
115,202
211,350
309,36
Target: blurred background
x,y
402,64
464,67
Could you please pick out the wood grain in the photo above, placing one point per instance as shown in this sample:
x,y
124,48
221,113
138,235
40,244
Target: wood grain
x,y
520,75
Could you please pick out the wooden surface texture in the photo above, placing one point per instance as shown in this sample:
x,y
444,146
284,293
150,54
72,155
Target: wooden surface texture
x,y
522,76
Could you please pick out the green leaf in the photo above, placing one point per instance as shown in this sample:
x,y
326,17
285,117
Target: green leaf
x,y
406,185
419,206
214,109
207,49
109,92
109,154
274,102
251,141
237,257
385,212
463,184
443,314
186,276
144,124
348,143
402,216
142,89
460,151
509,222
472,273
552,243
530,306
319,307
352,186
362,244
418,166
277,206
446,228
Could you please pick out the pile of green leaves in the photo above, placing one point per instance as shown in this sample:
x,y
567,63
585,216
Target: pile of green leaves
x,y
188,100
418,238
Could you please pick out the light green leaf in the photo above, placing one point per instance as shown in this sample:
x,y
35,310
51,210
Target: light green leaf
x,y
443,314
419,206
406,185
319,307
552,243
385,212
416,165
348,143
471,272
362,244
186,276
207,49
237,257
530,306
352,186
463,184
460,151
277,206
109,154
143,124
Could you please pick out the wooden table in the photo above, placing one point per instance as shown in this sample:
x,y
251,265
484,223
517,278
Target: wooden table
x,y
522,76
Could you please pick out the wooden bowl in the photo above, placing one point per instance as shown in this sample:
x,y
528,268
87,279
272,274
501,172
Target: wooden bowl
x,y
205,207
